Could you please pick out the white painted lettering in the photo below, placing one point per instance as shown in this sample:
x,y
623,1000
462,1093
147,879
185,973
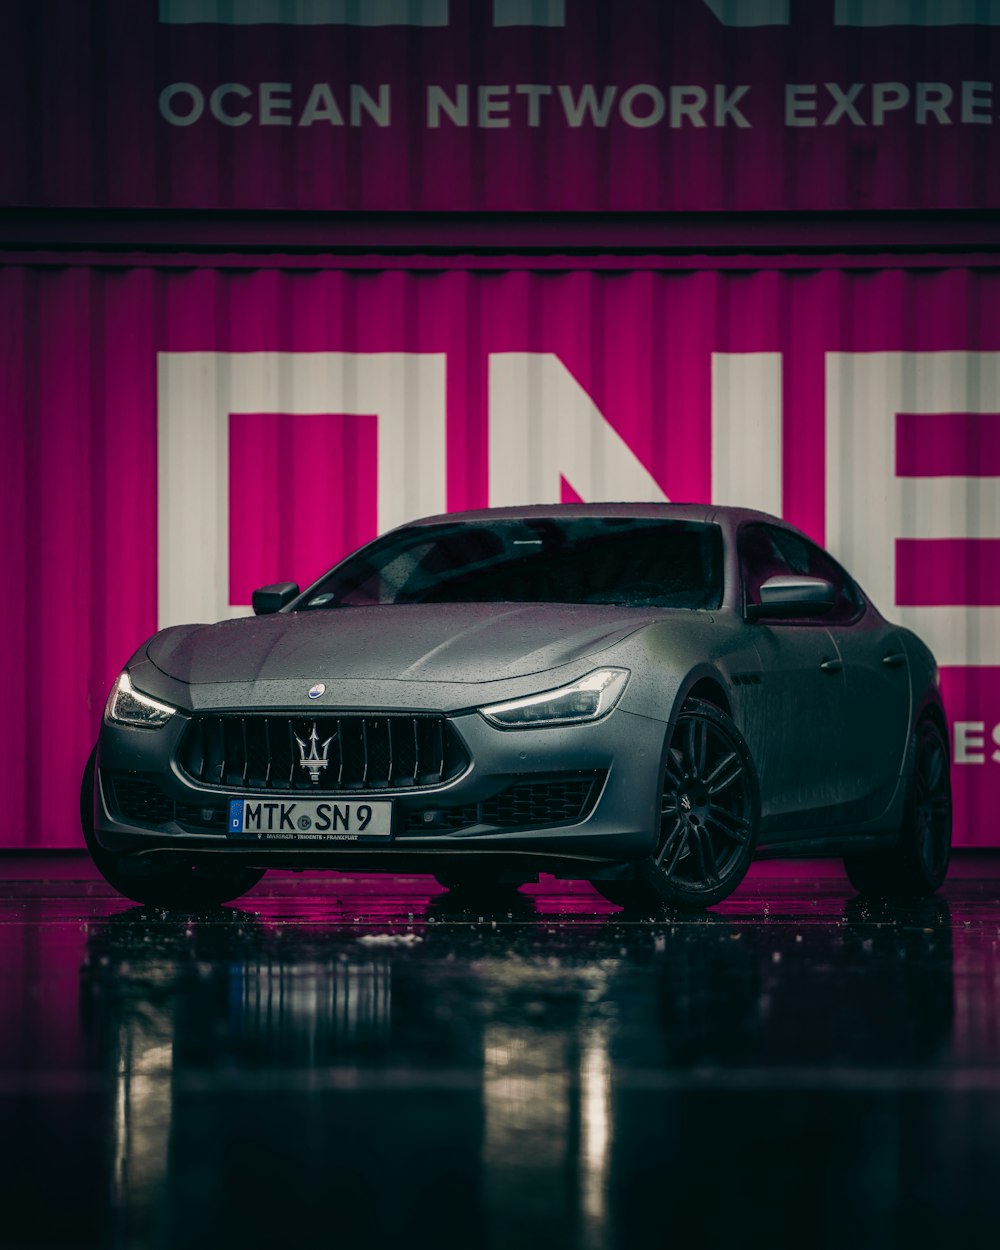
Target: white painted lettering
x,y
202,393
529,12
750,12
888,97
977,103
651,113
687,102
868,506
726,106
275,103
494,106
746,429
586,104
321,107
362,103
843,104
545,427
800,104
933,100
178,91
534,91
219,113
456,110
312,12
969,742
915,12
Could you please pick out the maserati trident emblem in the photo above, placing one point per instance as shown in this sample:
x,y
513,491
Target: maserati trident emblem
x,y
315,691
313,755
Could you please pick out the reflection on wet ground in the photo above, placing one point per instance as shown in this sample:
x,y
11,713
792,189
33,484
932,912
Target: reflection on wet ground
x,y
361,1062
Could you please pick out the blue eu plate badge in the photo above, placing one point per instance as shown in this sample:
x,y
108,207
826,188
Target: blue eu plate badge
x,y
235,815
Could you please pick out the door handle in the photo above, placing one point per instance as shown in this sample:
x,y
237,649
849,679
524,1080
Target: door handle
x,y
832,666
894,659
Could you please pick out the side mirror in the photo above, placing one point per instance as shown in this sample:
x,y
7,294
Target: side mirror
x,y
270,599
791,597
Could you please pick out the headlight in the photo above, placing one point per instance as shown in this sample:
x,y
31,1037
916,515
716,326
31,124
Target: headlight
x,y
128,706
588,699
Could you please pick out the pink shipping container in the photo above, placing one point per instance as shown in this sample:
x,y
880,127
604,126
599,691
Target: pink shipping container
x,y
501,105
179,430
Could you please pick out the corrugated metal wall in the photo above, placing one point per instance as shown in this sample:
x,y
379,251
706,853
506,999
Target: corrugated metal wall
x,y
691,105
175,435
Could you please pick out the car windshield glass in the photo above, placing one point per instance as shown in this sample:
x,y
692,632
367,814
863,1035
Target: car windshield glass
x,y
615,560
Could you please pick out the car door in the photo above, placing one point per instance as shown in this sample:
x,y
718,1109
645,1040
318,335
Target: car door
x,y
876,671
799,745
877,688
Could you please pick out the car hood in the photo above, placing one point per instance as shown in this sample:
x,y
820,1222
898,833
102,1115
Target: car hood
x,y
443,642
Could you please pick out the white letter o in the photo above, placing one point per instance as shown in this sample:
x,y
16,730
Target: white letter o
x,y
627,106
167,99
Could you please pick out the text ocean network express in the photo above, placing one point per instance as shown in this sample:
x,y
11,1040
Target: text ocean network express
x,y
534,105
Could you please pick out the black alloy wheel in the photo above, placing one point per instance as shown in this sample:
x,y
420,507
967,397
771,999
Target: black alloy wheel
x,y
709,813
188,888
918,863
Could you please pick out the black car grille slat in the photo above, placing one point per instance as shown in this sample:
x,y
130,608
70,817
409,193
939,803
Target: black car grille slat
x,y
362,752
378,752
233,749
340,754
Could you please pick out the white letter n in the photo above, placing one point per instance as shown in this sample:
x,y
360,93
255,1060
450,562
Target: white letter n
x,y
545,427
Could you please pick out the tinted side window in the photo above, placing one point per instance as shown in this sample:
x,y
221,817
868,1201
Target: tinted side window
x,y
760,558
766,551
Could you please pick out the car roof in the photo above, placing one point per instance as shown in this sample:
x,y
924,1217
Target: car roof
x,y
654,511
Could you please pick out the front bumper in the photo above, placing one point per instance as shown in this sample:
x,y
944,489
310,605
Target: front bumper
x,y
621,754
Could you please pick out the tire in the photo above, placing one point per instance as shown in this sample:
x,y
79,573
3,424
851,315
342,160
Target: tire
x,y
709,818
918,864
622,893
189,888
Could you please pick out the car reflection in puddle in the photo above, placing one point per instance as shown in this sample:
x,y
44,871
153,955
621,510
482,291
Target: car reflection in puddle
x,y
492,1072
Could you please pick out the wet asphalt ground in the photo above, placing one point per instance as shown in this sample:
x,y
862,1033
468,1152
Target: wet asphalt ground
x,y
358,1062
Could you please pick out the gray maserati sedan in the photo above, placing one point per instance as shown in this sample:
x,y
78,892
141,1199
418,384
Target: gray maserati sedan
x,y
646,696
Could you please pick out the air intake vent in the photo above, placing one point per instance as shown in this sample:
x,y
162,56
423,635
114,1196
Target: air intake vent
x,y
137,799
535,804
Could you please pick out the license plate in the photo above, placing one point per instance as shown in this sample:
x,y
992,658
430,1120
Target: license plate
x,y
308,820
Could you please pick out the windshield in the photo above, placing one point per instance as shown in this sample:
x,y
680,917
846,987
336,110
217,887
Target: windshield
x,y
612,560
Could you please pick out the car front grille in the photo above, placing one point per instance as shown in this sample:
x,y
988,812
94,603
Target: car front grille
x,y
351,752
